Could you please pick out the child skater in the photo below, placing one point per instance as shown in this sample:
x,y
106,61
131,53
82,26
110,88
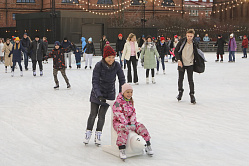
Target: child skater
x,y
103,88
58,63
77,54
17,55
148,54
124,119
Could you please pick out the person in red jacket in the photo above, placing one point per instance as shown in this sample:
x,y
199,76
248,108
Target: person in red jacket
x,y
245,46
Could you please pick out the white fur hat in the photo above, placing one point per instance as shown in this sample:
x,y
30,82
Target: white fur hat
x,y
231,35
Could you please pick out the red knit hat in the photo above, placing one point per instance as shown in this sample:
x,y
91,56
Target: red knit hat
x,y
162,38
108,51
107,42
175,36
120,35
245,36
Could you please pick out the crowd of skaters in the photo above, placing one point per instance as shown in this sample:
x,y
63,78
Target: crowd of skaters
x,y
153,53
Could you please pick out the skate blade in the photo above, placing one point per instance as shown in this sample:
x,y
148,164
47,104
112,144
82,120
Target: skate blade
x,y
98,145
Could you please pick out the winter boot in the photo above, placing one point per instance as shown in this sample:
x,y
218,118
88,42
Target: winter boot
x,y
56,86
12,74
147,80
122,154
41,73
88,136
153,80
149,151
97,139
21,73
34,73
68,86
179,97
192,99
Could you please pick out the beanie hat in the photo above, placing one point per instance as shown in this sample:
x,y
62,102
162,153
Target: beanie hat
x,y
65,38
245,36
120,35
17,38
231,35
36,36
90,39
107,42
219,35
162,38
25,33
57,43
153,38
126,87
108,51
175,36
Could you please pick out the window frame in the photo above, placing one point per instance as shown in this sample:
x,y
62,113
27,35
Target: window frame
x,y
25,1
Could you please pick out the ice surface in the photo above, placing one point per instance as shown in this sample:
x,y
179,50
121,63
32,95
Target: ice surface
x,y
40,126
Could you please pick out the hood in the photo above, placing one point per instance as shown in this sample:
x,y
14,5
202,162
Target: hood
x,y
83,39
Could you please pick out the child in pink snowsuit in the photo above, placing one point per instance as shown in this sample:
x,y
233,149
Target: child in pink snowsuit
x,y
124,119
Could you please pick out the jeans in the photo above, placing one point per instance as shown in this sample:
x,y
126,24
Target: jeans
x,y
120,56
231,55
163,64
63,72
34,65
132,61
26,59
14,65
190,71
245,52
69,54
99,110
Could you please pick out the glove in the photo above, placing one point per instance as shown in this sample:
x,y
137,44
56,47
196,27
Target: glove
x,y
102,99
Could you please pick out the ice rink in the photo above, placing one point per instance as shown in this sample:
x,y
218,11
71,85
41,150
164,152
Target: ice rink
x,y
40,126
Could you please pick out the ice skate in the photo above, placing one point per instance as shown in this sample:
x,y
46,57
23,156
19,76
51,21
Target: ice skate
x,y
85,67
12,74
136,83
179,97
68,86
217,60
122,154
153,80
149,151
88,136
5,70
21,73
56,86
192,99
34,73
147,80
97,139
90,67
157,72
164,72
41,73
70,67
221,60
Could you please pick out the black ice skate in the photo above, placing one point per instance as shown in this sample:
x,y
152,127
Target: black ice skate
x,y
217,60
56,87
192,99
221,60
68,86
85,67
179,97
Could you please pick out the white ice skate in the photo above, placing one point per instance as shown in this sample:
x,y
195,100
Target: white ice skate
x,y
41,73
21,73
5,70
157,73
153,80
149,151
164,72
12,74
97,139
122,154
147,80
136,83
88,136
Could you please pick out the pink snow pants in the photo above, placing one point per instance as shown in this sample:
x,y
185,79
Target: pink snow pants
x,y
123,132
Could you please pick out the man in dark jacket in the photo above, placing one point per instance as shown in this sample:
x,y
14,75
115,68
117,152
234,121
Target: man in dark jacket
x,y
102,44
119,48
37,52
220,50
65,44
25,42
185,52
163,50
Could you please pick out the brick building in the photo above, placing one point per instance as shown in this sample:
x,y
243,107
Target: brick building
x,y
9,8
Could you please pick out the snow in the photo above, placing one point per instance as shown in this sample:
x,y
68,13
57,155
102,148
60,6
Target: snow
x,y
45,127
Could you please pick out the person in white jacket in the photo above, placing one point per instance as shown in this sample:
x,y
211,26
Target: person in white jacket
x,y
130,55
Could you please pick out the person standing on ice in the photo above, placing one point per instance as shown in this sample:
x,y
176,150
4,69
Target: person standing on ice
x,y
65,44
58,63
163,51
232,47
124,120
119,49
90,51
83,44
130,55
17,55
184,53
103,88
220,50
245,46
149,55
6,49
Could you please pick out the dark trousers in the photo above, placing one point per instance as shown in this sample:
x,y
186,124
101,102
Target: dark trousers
x,y
245,52
190,71
219,55
148,72
63,72
163,64
99,110
26,58
132,61
34,65
14,65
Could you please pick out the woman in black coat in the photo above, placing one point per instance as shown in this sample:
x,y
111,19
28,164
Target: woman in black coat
x,y
38,50
220,50
103,88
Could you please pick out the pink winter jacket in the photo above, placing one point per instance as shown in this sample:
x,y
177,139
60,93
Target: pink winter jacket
x,y
123,112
